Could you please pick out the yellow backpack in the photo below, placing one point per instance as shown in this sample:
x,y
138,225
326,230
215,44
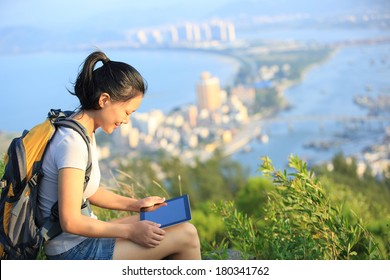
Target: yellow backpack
x,y
20,236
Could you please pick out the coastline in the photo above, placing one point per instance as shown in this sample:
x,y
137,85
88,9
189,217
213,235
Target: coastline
x,y
352,143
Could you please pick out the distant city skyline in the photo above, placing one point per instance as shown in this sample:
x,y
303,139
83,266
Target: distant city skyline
x,y
193,32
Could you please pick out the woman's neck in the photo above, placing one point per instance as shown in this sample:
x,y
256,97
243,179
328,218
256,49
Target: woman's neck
x,y
85,118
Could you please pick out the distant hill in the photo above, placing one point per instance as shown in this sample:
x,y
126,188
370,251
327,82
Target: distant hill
x,y
279,7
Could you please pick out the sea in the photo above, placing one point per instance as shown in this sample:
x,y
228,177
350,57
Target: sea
x,y
32,83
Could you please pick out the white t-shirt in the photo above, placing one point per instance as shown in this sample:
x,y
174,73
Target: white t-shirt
x,y
67,149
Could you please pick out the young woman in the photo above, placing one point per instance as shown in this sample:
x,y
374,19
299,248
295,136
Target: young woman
x,y
108,95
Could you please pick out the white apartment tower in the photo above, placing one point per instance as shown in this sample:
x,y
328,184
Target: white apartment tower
x,y
208,92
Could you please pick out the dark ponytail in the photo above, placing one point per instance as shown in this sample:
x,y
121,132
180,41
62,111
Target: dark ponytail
x,y
120,80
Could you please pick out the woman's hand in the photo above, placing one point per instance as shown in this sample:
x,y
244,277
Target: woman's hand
x,y
147,234
149,201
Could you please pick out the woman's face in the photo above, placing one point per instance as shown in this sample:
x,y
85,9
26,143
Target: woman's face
x,y
113,114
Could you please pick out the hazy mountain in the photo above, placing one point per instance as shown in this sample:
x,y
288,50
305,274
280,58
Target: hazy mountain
x,y
272,8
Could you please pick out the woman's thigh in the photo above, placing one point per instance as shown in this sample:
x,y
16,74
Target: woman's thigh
x,y
174,242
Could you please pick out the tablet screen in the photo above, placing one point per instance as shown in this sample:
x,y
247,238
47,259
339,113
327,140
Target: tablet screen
x,y
176,211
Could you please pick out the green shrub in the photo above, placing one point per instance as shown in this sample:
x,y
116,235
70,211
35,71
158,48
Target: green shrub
x,y
241,231
304,224
300,222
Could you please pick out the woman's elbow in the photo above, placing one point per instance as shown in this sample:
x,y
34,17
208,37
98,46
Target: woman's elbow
x,y
70,225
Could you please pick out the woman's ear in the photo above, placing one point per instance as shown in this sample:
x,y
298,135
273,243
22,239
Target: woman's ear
x,y
104,99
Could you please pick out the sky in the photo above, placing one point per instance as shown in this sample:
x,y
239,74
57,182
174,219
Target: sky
x,y
91,13
118,13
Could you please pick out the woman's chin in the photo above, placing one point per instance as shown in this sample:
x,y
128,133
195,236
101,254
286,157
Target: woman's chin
x,y
109,130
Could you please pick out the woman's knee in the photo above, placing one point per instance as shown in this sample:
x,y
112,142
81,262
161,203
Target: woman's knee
x,y
189,234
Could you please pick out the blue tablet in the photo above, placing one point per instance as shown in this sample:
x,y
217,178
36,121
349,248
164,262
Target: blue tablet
x,y
175,212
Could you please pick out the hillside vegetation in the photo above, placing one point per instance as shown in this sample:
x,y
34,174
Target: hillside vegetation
x,y
297,213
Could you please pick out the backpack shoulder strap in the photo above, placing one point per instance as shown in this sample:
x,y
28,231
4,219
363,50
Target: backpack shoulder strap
x,y
52,227
70,123
62,118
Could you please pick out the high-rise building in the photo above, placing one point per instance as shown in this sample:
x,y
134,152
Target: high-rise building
x,y
223,31
205,32
185,32
208,92
192,115
230,32
173,36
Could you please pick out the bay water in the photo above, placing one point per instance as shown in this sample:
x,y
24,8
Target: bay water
x,y
33,83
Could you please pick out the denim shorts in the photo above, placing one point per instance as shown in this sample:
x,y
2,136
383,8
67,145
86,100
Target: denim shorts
x,y
89,249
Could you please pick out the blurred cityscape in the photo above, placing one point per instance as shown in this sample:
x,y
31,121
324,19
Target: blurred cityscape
x,y
230,118
191,130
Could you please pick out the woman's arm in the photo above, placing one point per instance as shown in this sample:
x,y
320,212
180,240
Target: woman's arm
x,y
70,191
110,200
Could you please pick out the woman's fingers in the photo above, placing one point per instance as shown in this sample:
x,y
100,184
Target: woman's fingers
x,y
155,234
